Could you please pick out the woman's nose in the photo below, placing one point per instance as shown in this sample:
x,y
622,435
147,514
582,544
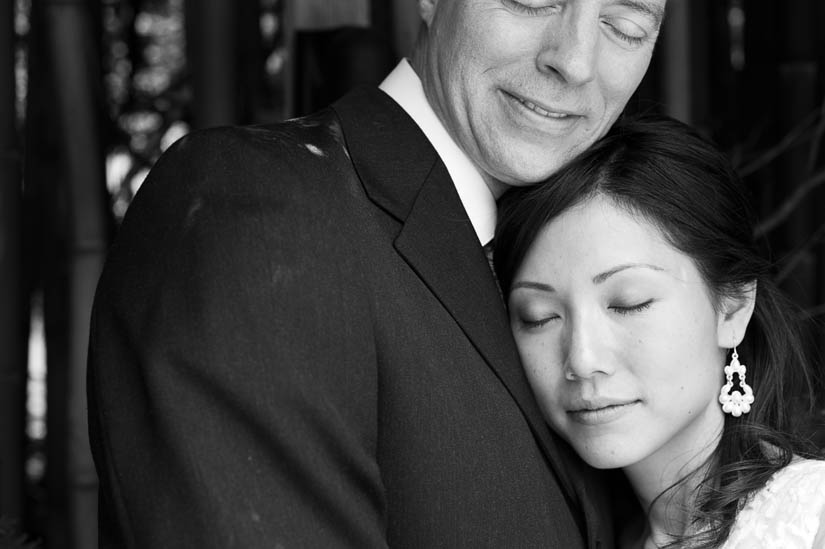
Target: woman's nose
x,y
586,350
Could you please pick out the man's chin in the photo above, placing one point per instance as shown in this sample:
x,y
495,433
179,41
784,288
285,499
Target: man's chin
x,y
528,177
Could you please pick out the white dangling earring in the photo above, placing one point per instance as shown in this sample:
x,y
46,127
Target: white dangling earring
x,y
735,403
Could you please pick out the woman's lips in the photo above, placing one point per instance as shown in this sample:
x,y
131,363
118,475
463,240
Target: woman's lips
x,y
602,413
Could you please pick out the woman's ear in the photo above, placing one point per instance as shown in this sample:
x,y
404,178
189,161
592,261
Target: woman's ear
x,y
734,315
426,9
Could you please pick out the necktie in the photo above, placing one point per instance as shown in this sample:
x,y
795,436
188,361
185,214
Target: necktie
x,y
488,252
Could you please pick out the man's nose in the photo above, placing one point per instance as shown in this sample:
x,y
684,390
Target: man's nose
x,y
570,48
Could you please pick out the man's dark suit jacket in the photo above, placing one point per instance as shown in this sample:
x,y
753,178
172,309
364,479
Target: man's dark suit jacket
x,y
297,342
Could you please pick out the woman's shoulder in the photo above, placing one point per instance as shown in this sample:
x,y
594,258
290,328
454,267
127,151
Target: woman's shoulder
x,y
786,512
800,483
803,466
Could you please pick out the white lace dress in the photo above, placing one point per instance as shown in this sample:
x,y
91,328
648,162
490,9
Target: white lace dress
x,y
785,513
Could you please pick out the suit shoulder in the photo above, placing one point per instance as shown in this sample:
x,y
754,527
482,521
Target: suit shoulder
x,y
227,190
309,138
287,159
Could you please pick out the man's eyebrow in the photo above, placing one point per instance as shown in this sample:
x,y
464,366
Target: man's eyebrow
x,y
654,11
601,277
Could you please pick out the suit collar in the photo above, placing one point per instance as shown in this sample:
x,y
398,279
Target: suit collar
x,y
390,154
402,173
405,87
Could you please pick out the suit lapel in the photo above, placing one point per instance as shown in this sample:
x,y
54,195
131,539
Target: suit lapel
x,y
403,174
440,245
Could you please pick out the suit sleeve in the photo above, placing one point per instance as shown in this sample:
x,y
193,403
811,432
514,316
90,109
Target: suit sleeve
x,y
232,379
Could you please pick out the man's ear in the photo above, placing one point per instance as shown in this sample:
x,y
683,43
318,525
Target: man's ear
x,y
734,315
426,9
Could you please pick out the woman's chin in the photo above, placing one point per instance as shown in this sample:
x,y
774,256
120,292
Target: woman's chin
x,y
604,458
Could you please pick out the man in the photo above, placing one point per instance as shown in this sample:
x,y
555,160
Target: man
x,y
297,340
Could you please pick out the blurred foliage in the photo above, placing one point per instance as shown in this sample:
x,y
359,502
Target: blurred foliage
x,y
22,9
806,135
11,538
144,66
148,91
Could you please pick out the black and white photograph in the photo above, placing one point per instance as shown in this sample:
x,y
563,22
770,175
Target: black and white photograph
x,y
412,274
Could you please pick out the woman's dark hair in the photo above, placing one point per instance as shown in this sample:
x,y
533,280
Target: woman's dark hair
x,y
663,171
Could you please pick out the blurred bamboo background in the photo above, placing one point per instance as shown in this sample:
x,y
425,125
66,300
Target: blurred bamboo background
x,y
91,92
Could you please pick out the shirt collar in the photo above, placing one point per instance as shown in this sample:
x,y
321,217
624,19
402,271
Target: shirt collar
x,y
404,86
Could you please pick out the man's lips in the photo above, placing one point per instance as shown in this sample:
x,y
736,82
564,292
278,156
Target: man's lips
x,y
541,109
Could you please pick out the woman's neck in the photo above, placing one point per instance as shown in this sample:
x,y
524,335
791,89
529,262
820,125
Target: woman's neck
x,y
668,516
678,462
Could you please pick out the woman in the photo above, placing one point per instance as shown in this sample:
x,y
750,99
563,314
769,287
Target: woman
x,y
655,341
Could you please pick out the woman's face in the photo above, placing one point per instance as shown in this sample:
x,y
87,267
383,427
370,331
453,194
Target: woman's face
x,y
619,338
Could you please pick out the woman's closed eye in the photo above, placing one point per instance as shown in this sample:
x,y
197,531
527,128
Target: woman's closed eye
x,y
631,308
533,321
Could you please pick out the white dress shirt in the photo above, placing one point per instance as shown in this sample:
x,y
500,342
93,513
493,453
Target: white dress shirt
x,y
404,86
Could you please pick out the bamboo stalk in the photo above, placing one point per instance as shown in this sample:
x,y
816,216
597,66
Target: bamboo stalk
x,y
678,74
406,22
210,47
72,47
12,286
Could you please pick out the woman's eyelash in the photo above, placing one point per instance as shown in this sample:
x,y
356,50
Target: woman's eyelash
x,y
629,309
528,324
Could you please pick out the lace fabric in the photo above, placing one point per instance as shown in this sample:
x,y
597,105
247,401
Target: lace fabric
x,y
785,513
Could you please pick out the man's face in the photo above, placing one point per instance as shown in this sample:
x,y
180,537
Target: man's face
x,y
525,85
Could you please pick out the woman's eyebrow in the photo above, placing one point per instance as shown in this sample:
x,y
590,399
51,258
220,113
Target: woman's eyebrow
x,y
598,279
531,285
601,277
